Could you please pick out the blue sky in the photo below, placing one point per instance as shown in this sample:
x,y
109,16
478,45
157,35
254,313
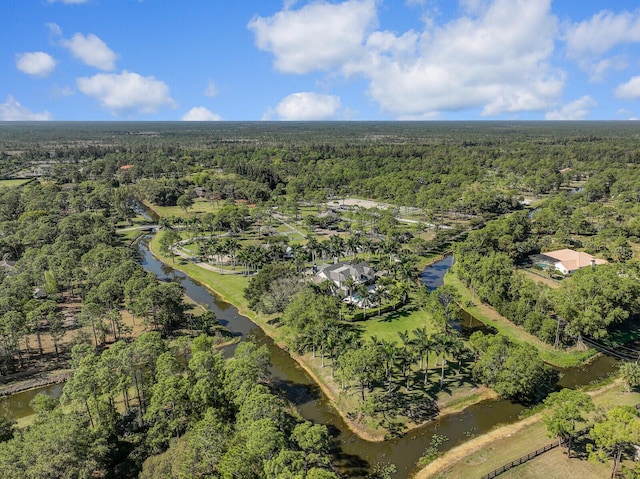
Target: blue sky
x,y
319,60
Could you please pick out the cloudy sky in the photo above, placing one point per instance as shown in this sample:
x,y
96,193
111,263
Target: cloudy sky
x,y
319,60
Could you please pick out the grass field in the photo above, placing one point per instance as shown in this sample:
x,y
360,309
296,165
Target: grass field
x,y
200,206
9,183
388,325
503,445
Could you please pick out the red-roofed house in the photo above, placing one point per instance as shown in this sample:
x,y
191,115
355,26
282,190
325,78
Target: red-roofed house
x,y
567,260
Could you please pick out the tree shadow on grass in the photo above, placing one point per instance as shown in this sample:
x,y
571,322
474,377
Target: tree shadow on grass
x,y
396,315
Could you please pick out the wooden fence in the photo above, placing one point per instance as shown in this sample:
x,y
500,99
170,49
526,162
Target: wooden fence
x,y
534,454
521,460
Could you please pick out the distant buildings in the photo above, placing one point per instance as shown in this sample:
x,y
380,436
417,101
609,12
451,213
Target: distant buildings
x,y
565,260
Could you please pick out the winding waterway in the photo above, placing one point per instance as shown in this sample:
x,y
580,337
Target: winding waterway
x,y
356,455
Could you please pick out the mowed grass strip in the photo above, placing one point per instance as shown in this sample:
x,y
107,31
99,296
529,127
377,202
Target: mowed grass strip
x,y
492,318
10,183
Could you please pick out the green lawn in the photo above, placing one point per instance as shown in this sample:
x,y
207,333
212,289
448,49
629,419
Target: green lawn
x,y
200,206
9,183
388,325
229,286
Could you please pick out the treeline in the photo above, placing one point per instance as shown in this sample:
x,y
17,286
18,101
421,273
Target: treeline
x,y
479,170
147,409
592,301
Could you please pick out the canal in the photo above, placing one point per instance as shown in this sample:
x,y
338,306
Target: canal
x,y
356,455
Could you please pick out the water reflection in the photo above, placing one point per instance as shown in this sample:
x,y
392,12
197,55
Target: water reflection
x,y
433,275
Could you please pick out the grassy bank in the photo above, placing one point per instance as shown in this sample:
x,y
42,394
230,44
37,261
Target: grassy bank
x,y
505,444
14,182
492,318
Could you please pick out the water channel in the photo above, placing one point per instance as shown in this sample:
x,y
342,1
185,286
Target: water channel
x,y
356,454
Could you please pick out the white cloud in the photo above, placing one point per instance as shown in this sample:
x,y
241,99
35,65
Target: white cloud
x,y
59,92
211,90
92,51
629,90
126,92
200,113
11,110
307,106
496,56
54,29
588,41
318,36
38,64
601,33
498,60
576,110
598,70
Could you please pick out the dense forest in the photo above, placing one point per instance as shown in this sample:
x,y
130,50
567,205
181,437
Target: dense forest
x,y
151,395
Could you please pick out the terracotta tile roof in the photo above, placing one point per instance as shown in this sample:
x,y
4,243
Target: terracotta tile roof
x,y
573,260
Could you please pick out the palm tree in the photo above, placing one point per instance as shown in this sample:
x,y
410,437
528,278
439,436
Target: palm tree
x,y
377,297
336,246
457,349
406,357
210,248
365,301
352,244
231,247
219,249
442,344
244,258
388,351
349,283
424,343
396,294
313,246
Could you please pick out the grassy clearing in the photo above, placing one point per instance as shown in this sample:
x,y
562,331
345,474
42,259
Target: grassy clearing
x,y
228,286
200,206
11,183
505,444
388,325
491,317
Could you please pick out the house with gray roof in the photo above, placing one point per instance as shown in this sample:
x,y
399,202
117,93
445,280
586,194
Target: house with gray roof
x,y
339,273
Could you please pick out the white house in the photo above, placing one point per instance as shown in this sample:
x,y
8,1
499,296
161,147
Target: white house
x,y
339,273
566,260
